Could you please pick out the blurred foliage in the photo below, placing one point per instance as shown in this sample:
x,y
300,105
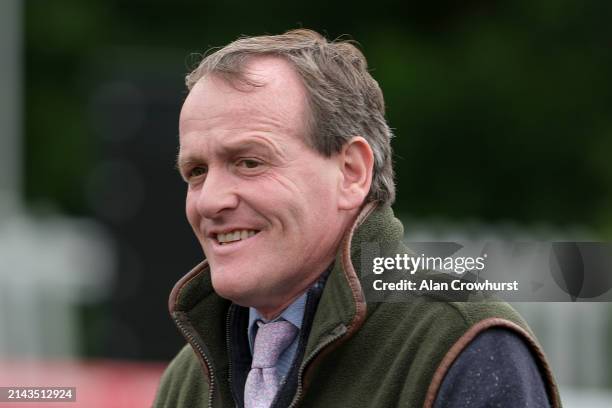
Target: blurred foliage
x,y
501,110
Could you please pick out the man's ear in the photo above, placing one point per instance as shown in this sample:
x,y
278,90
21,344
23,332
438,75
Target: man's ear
x,y
356,161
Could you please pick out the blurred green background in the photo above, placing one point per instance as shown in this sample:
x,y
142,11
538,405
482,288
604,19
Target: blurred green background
x,y
501,108
501,111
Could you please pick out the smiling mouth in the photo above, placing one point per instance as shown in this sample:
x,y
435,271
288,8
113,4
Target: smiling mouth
x,y
234,236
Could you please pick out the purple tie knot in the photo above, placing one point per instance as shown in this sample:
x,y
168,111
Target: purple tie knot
x,y
270,342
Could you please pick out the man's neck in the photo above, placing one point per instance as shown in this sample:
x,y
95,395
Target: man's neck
x,y
271,313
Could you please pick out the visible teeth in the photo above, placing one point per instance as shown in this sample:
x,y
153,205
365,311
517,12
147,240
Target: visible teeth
x,y
235,236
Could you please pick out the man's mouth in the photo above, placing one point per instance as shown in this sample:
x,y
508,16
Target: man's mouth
x,y
233,236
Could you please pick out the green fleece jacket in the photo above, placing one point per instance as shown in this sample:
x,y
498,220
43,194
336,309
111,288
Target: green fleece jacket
x,y
358,354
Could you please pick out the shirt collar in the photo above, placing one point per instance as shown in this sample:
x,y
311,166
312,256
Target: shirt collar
x,y
294,314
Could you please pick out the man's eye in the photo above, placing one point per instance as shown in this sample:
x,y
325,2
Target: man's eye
x,y
249,163
197,171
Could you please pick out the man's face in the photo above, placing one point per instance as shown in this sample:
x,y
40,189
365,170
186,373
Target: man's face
x,y
263,205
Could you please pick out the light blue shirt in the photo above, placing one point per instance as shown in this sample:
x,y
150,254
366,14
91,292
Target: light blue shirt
x,y
294,314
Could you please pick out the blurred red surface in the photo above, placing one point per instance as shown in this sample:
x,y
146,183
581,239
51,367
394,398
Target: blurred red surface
x,y
99,384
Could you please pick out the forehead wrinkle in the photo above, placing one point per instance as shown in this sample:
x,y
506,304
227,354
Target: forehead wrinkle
x,y
247,125
265,118
243,120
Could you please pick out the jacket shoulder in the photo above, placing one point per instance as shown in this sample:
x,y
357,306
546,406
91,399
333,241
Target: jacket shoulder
x,y
183,383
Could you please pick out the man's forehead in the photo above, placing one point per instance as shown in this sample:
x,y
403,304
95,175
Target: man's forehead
x,y
277,86
237,120
277,107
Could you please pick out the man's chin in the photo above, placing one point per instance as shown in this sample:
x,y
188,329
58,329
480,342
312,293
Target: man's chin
x,y
234,289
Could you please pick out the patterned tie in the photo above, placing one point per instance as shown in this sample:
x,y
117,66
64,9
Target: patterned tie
x,y
262,382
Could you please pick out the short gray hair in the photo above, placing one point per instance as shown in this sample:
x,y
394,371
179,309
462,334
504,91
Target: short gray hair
x,y
344,99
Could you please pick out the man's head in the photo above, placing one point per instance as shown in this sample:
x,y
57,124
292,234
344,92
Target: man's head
x,y
343,98
280,138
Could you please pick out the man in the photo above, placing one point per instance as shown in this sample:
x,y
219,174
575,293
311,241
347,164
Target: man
x,y
286,154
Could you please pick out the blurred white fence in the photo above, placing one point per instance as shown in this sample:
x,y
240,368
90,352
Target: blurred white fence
x,y
48,266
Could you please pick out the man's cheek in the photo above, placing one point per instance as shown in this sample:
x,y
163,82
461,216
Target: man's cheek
x,y
191,213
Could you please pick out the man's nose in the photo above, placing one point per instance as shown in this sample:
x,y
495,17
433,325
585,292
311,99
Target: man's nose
x,y
217,194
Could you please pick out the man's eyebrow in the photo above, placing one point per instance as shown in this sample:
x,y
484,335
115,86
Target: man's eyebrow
x,y
177,160
180,161
186,160
230,149
242,145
